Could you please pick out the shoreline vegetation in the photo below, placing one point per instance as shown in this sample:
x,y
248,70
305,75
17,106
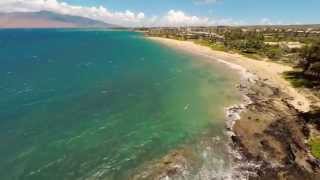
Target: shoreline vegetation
x,y
278,131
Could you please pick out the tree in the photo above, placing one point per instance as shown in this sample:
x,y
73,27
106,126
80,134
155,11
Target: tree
x,y
248,42
310,55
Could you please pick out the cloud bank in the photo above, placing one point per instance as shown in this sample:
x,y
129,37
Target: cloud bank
x,y
101,13
124,18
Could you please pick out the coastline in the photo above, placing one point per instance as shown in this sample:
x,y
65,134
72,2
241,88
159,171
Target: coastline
x,y
267,71
266,129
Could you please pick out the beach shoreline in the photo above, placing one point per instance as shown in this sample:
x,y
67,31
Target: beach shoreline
x,y
268,71
266,129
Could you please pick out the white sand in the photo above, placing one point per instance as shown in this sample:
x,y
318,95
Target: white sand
x,y
269,71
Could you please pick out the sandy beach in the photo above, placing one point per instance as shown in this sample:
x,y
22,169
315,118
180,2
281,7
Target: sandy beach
x,y
270,133
268,71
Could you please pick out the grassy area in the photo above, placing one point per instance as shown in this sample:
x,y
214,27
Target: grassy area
x,y
214,46
272,53
297,79
314,144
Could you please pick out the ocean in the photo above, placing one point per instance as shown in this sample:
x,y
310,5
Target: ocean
x,y
102,104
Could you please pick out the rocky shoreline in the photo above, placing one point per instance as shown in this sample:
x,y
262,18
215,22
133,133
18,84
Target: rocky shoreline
x,y
269,139
269,131
272,134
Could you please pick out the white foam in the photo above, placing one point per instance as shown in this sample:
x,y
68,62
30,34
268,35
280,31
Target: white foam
x,y
238,170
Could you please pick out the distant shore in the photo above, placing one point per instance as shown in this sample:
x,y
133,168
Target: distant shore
x,y
270,133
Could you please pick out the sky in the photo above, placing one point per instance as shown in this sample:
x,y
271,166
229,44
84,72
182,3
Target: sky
x,y
178,12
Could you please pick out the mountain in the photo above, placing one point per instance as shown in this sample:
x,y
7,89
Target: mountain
x,y
47,19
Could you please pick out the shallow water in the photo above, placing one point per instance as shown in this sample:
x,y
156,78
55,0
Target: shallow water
x,y
98,104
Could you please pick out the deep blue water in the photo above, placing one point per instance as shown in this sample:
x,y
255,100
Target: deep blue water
x,y
77,103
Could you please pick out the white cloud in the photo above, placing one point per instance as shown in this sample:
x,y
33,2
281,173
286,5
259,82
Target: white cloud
x,y
179,18
124,18
267,21
127,18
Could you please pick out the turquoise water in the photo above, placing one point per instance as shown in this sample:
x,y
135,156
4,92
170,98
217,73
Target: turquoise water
x,y
77,102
